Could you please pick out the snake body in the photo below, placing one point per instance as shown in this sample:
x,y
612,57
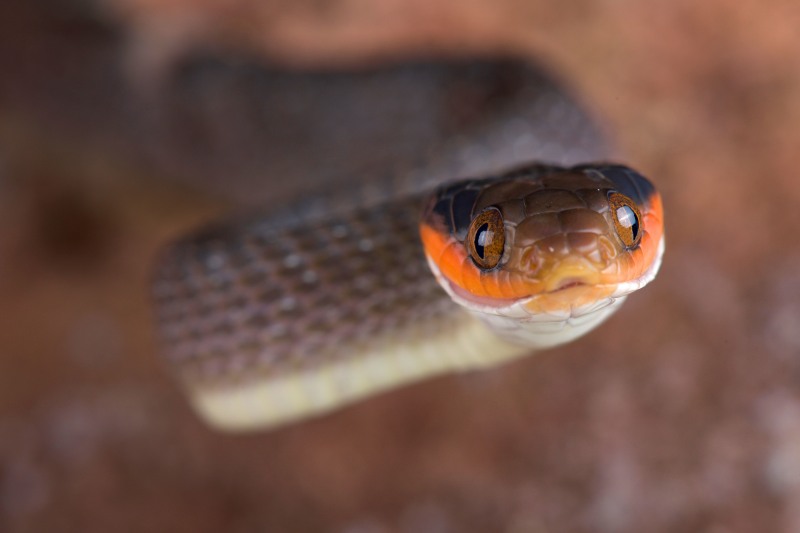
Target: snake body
x,y
306,307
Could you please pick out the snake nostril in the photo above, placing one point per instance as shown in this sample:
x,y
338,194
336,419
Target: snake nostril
x,y
606,248
529,261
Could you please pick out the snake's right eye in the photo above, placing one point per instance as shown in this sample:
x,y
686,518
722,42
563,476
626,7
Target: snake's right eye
x,y
486,239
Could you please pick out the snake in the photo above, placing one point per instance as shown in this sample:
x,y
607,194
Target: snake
x,y
508,233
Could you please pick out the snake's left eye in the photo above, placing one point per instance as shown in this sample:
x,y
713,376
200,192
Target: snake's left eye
x,y
486,238
627,219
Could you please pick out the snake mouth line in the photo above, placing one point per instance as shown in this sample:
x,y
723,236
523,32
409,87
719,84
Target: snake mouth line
x,y
568,283
499,303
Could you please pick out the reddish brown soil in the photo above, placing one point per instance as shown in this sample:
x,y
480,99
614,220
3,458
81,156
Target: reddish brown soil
x,y
681,414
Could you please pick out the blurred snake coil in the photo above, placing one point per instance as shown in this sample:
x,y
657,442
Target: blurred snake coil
x,y
458,218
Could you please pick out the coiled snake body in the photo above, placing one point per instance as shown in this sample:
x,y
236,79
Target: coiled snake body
x,y
311,305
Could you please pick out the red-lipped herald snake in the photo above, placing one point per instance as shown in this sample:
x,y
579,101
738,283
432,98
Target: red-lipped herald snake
x,y
307,307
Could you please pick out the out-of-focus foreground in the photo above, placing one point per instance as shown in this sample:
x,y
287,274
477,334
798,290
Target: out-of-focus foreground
x,y
681,414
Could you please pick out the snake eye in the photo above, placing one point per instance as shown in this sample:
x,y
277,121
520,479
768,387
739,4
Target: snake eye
x,y
627,219
486,238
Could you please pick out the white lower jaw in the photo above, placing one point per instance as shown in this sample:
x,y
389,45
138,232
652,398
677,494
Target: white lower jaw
x,y
548,330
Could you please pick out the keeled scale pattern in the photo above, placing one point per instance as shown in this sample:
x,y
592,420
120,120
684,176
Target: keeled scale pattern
x,y
278,300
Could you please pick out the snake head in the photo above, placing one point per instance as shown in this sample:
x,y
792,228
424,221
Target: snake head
x,y
544,244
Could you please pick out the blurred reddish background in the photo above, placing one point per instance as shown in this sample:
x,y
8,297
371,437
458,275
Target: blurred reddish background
x,y
681,414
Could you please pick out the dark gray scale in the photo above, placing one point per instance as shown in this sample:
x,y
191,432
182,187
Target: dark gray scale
x,y
624,180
